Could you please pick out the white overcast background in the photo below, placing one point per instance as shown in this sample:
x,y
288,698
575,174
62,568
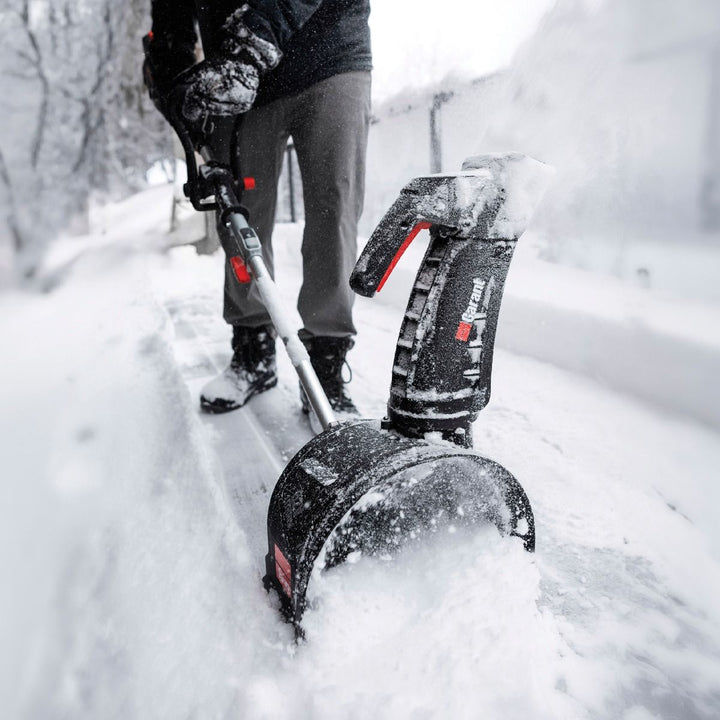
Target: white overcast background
x,y
417,42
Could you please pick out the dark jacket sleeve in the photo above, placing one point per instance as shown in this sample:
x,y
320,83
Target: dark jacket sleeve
x,y
174,37
278,20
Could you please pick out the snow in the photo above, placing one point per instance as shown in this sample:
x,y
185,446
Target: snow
x,y
655,345
520,180
425,624
132,528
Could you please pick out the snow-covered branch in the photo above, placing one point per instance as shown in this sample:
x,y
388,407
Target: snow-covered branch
x,y
80,121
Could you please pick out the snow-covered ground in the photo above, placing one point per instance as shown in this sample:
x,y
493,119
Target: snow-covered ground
x,y
132,528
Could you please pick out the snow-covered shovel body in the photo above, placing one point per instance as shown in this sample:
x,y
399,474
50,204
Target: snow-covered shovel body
x,y
369,486
357,488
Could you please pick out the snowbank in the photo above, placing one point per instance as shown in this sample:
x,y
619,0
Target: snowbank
x,y
655,346
123,572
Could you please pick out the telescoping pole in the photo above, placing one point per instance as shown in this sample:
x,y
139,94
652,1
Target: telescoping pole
x,y
245,254
285,320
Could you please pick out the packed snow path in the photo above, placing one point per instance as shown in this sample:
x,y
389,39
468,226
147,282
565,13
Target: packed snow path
x,y
133,527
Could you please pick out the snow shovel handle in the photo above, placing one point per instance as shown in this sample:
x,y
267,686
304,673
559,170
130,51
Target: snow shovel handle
x,y
247,248
244,253
443,360
285,322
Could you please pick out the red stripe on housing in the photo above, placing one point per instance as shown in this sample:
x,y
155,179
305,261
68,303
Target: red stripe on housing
x,y
241,272
413,234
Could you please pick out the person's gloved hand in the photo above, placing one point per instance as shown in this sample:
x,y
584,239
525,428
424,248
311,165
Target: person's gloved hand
x,y
221,86
227,84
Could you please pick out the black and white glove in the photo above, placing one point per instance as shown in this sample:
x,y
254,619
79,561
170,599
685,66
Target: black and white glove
x,y
227,84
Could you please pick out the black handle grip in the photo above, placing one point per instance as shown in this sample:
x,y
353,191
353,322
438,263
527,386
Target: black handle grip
x,y
443,360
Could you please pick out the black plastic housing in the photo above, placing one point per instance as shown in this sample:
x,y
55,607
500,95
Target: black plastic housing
x,y
357,487
441,375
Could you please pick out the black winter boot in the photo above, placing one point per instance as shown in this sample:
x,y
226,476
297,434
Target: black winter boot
x,y
327,355
252,370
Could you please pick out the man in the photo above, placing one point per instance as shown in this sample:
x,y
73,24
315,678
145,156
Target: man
x,y
297,69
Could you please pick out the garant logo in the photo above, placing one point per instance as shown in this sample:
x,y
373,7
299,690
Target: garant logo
x,y
468,317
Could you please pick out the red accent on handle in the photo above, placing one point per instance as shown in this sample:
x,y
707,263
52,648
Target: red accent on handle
x,y
249,183
240,270
413,234
151,35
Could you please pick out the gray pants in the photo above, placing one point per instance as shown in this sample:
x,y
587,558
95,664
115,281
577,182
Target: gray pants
x,y
328,123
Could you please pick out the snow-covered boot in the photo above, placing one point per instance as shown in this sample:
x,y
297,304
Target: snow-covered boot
x,y
327,355
252,370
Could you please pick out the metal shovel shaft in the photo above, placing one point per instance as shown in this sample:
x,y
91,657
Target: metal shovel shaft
x,y
286,322
216,179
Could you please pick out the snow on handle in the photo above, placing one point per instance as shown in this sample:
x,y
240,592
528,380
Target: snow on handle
x,y
521,179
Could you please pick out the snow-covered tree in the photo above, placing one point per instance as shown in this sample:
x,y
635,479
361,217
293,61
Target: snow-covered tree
x,y
76,118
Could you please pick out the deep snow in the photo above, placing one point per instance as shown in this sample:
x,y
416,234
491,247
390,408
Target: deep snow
x,y
132,528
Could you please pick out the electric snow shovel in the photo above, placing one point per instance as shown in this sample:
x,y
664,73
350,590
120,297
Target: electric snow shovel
x,y
370,486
